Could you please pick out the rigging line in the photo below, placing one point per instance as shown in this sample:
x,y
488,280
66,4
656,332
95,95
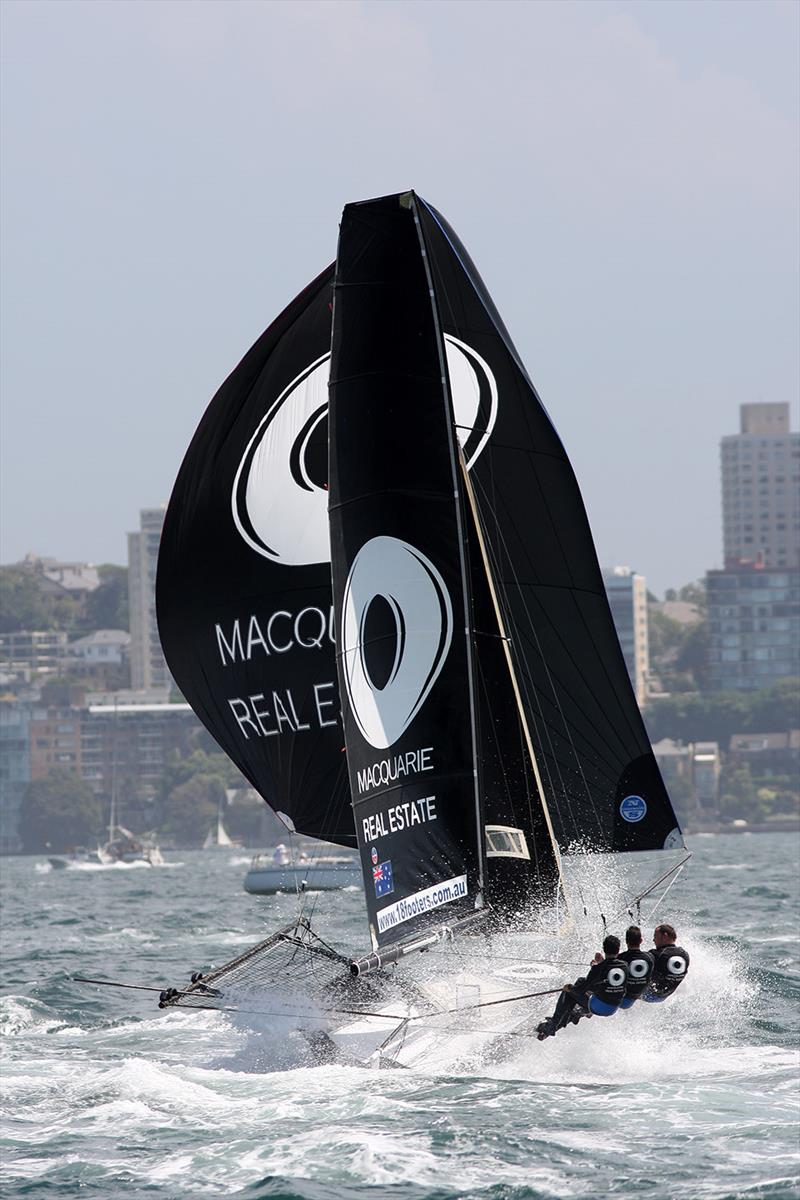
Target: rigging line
x,y
486,1004
490,737
350,1012
512,958
457,469
526,805
667,888
360,1012
136,987
674,870
469,493
573,591
583,591
535,701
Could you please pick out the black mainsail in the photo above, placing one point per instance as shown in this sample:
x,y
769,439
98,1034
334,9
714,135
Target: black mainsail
x,y
400,583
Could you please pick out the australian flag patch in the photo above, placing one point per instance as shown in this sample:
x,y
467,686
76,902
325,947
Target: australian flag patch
x,y
382,878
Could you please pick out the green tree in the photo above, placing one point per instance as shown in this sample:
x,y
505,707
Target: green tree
x,y
664,635
180,769
776,710
245,821
694,593
682,797
23,605
692,655
59,812
191,809
738,798
107,605
716,716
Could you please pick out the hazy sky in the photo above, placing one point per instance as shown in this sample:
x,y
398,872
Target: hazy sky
x,y
625,176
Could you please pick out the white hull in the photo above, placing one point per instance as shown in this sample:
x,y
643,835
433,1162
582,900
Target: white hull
x,y
264,879
148,854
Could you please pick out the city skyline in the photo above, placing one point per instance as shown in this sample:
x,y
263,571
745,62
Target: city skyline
x,y
632,205
790,436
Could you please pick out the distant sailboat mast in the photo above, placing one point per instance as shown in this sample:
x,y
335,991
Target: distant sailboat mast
x,y
218,836
113,814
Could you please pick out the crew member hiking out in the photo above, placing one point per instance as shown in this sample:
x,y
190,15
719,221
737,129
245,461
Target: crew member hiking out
x,y
640,966
596,994
670,964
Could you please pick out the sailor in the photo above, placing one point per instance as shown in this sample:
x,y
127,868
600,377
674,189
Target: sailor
x,y
596,994
640,966
670,965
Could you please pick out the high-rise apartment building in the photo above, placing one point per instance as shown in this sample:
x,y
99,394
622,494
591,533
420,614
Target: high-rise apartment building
x,y
761,488
149,672
627,597
754,626
15,774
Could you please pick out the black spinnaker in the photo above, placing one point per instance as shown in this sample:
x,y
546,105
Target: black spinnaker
x,y
243,589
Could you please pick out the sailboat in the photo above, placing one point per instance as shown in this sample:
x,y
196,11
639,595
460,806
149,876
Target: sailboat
x,y
377,588
122,846
217,837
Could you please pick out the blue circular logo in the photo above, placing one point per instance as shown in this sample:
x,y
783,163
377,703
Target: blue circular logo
x,y
632,809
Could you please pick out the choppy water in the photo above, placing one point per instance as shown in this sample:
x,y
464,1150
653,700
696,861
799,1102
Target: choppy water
x,y
104,1096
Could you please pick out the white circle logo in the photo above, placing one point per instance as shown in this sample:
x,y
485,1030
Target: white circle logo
x,y
616,977
638,968
676,965
279,498
389,677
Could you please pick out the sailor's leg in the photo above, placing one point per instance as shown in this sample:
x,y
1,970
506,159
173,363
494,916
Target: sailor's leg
x,y
565,1006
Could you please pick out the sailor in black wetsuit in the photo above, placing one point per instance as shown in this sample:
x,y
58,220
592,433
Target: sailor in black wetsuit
x,y
596,994
670,964
640,966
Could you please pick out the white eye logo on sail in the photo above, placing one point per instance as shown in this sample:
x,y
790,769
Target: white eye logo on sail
x,y
279,498
387,692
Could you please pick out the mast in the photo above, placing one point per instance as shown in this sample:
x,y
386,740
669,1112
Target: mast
x,y
113,815
411,200
506,644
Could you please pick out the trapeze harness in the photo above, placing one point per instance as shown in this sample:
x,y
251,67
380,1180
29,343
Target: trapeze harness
x,y
639,964
670,964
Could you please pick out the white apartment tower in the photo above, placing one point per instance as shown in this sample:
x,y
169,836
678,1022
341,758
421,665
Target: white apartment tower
x,y
627,597
761,489
149,672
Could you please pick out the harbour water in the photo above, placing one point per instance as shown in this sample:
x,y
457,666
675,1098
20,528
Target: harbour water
x,y
105,1096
